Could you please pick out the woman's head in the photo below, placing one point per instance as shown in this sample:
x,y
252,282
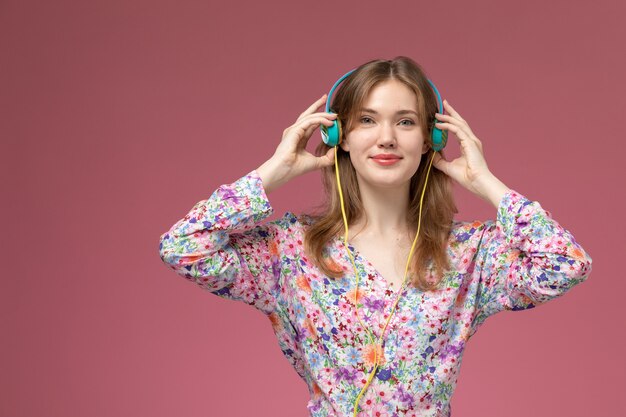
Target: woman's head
x,y
373,84
389,85
387,124
351,95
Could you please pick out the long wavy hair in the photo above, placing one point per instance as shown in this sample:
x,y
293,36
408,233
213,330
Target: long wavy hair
x,y
439,206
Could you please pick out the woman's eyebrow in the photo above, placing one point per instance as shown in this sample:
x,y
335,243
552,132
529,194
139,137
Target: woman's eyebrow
x,y
398,112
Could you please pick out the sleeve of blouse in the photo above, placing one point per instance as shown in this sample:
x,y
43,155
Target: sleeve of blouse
x,y
222,247
524,259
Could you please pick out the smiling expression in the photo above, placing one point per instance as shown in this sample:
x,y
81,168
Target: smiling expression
x,y
387,124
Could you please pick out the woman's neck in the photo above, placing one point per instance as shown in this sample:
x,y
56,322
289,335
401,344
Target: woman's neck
x,y
384,213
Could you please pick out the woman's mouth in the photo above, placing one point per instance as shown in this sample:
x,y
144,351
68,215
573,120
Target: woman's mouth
x,y
385,161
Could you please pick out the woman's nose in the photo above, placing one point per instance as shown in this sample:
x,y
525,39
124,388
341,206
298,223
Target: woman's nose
x,y
386,135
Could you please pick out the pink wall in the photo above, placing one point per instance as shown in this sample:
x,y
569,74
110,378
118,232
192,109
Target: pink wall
x,y
117,117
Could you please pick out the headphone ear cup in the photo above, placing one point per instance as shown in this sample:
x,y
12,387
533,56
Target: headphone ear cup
x,y
439,138
331,135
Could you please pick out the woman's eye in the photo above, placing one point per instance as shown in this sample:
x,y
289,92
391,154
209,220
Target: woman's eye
x,y
368,120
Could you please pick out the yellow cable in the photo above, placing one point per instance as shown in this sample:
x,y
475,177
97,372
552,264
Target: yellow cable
x,y
356,292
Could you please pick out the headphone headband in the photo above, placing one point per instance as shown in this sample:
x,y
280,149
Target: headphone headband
x,y
332,134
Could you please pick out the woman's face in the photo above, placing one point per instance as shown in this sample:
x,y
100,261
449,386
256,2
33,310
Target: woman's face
x,y
387,124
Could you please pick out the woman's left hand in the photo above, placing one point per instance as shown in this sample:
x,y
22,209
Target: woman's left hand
x,y
470,169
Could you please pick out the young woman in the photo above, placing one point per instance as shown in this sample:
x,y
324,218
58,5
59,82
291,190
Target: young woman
x,y
374,297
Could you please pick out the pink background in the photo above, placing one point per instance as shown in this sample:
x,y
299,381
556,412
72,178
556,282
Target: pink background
x,y
118,116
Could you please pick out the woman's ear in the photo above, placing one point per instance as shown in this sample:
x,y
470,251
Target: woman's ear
x,y
425,147
344,145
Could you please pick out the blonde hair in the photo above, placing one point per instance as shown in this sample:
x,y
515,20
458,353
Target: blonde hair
x,y
439,207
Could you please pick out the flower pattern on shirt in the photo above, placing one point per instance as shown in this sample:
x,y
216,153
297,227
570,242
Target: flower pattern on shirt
x,y
521,260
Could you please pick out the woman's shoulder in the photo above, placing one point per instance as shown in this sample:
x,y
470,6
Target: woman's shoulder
x,y
291,221
467,231
301,219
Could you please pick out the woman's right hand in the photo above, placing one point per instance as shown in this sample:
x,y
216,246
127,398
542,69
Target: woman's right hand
x,y
291,159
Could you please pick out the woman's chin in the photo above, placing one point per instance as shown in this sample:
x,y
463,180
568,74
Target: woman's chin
x,y
388,182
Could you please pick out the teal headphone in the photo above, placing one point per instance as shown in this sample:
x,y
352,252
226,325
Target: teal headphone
x,y
331,135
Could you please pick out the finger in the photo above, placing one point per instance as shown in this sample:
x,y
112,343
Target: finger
x,y
440,163
313,107
316,117
309,130
453,119
309,124
326,160
314,120
462,124
465,140
451,110
458,131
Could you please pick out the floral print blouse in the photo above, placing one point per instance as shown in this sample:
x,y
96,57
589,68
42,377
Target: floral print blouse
x,y
522,259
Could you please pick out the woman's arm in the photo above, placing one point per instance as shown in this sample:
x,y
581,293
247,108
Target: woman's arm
x,y
524,259
221,246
